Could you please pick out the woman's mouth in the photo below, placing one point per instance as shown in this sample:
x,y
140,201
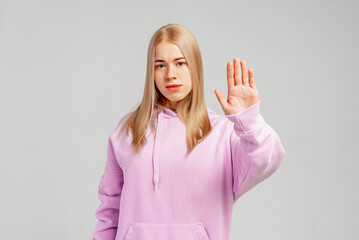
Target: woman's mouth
x,y
174,86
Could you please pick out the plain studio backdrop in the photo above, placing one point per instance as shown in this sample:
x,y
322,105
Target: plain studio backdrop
x,y
70,70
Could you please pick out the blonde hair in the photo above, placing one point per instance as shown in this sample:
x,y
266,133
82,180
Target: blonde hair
x,y
191,110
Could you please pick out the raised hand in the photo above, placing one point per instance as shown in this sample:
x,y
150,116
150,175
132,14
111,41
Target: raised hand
x,y
242,91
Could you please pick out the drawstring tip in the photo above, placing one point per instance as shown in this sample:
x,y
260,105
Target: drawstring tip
x,y
155,182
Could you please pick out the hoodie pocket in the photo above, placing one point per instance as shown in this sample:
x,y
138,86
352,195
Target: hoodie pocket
x,y
164,231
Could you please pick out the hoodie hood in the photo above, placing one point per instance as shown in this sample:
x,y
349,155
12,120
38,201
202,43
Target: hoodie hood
x,y
165,113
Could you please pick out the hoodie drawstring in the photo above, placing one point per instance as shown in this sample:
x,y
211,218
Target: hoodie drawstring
x,y
156,153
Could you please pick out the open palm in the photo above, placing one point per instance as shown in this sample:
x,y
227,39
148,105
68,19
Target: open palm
x,y
242,91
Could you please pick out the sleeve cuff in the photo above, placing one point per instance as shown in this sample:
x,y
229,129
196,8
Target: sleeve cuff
x,y
247,120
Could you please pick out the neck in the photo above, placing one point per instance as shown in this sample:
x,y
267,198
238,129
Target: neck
x,y
172,106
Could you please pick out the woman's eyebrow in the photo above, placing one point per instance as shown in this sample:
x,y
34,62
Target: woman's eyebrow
x,y
159,60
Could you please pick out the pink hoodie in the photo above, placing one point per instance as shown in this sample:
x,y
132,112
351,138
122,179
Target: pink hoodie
x,y
164,194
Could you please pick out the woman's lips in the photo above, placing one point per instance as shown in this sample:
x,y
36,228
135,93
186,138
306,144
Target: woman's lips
x,y
174,86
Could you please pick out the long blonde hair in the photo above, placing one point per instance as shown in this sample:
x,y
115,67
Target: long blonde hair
x,y
191,110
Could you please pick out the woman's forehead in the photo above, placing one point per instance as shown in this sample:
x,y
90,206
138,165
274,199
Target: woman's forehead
x,y
168,50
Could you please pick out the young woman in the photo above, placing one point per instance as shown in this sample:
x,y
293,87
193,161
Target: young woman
x,y
174,167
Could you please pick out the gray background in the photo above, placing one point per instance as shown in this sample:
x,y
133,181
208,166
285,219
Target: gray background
x,y
70,70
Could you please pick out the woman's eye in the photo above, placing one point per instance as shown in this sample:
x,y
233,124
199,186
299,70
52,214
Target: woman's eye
x,y
161,65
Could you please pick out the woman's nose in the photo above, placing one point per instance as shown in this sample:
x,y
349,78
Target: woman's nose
x,y
170,73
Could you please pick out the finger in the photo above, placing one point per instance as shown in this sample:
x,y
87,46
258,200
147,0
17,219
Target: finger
x,y
237,72
230,74
221,98
244,72
251,78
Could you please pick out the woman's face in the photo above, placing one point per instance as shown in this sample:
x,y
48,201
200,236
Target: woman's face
x,y
171,69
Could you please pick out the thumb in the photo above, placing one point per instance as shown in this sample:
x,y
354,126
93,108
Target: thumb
x,y
220,98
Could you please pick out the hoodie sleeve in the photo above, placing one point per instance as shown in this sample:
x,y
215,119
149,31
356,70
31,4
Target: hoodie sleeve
x,y
109,193
256,149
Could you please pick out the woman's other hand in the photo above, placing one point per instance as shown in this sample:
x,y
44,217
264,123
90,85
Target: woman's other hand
x,y
242,91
